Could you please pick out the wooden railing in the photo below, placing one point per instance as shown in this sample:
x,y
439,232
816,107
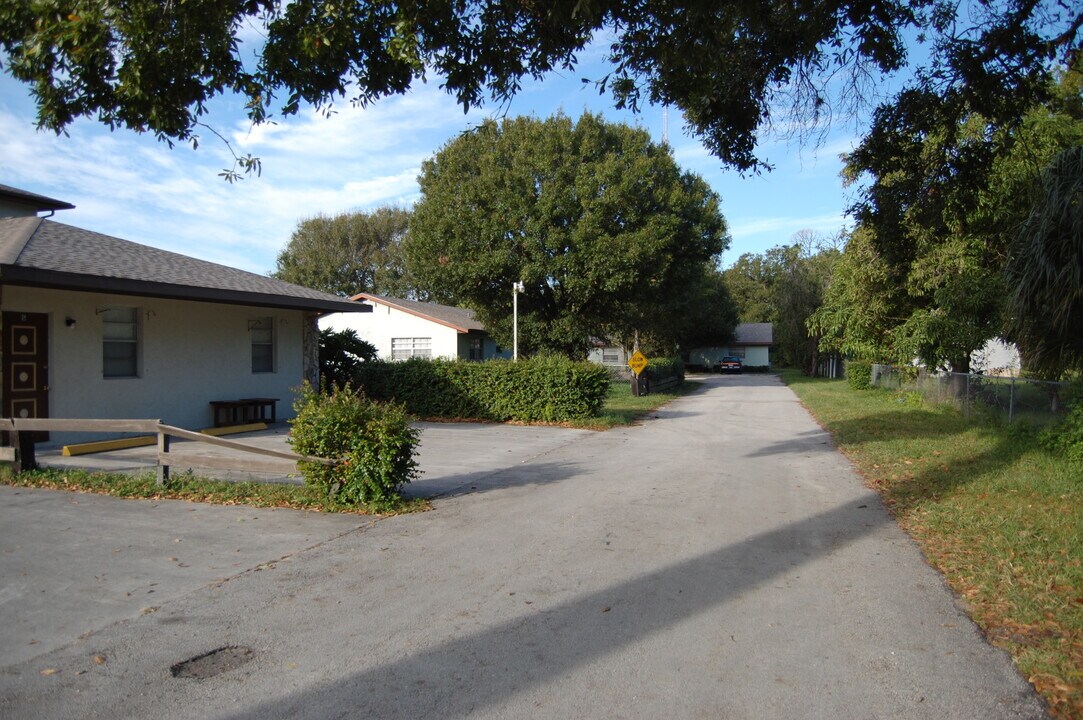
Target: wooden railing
x,y
276,461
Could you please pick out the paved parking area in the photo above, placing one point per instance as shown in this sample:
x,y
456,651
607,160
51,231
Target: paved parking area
x,y
721,560
451,456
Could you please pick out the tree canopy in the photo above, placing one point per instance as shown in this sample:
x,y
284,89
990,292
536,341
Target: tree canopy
x,y
1045,271
348,253
729,67
606,233
937,220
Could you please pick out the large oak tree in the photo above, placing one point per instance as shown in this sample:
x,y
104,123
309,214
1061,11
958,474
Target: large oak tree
x,y
598,222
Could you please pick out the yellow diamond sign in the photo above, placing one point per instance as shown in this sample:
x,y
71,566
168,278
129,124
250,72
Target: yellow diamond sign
x,y
637,362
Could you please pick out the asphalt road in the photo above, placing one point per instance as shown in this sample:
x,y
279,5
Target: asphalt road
x,y
721,560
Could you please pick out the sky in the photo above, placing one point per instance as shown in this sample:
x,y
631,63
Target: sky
x,y
134,187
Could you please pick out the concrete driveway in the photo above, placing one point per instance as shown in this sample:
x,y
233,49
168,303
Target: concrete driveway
x,y
720,560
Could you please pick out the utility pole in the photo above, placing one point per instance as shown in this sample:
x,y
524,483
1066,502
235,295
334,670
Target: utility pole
x,y
516,288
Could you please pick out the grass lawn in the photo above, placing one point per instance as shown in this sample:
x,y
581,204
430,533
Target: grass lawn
x,y
999,516
621,408
186,486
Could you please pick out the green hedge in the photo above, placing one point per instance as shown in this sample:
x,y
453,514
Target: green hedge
x,y
859,374
548,388
662,369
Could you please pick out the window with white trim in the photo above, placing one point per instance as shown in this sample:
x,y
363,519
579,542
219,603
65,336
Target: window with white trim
x,y
610,356
262,334
406,348
120,342
737,352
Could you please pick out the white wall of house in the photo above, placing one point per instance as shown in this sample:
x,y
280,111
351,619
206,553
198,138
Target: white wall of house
x,y
609,356
384,323
996,357
751,355
190,353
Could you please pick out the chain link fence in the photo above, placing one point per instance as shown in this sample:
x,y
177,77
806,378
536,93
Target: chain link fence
x,y
1009,399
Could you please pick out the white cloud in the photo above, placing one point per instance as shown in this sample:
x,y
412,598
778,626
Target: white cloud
x,y
133,187
778,225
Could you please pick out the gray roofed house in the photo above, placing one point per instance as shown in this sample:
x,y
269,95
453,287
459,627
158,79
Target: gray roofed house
x,y
94,326
44,253
460,319
751,342
400,329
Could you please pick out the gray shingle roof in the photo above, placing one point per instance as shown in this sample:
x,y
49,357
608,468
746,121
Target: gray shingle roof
x,y
26,197
460,319
41,252
754,334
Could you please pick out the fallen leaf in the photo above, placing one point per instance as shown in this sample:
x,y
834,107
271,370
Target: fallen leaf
x,y
49,671
98,659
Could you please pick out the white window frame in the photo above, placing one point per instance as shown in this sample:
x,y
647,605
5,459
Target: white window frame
x,y
121,329
261,336
411,347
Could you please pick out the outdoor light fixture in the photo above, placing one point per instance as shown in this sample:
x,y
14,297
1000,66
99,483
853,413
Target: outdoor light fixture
x,y
516,288
69,323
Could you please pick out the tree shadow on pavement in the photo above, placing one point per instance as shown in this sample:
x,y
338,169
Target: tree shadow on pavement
x,y
523,475
484,669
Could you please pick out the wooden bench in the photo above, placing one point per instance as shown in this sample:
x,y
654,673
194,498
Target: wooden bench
x,y
243,411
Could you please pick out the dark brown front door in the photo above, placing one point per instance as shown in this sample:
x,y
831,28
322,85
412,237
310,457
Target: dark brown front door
x,y
26,367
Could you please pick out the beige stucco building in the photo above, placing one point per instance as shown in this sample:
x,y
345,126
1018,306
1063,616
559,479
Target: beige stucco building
x,y
98,327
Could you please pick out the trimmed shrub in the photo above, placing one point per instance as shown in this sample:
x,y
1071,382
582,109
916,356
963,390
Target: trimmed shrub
x,y
756,368
545,388
859,374
374,441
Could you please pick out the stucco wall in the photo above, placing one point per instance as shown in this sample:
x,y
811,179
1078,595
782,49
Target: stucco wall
x,y
191,353
384,323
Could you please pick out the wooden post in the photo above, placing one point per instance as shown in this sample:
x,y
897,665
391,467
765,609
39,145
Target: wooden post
x,y
163,458
24,442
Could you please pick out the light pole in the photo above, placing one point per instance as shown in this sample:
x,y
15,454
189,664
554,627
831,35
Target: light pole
x,y
516,288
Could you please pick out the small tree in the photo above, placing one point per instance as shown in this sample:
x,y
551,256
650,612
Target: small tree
x,y
341,355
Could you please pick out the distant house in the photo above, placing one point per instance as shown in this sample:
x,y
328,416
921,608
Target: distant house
x,y
98,327
996,357
612,357
401,329
752,343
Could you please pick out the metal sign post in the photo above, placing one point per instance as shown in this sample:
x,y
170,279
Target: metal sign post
x,y
638,363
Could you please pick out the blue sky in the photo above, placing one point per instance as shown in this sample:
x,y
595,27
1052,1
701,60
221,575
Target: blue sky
x,y
136,188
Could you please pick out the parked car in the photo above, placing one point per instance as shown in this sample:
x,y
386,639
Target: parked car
x,y
729,364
